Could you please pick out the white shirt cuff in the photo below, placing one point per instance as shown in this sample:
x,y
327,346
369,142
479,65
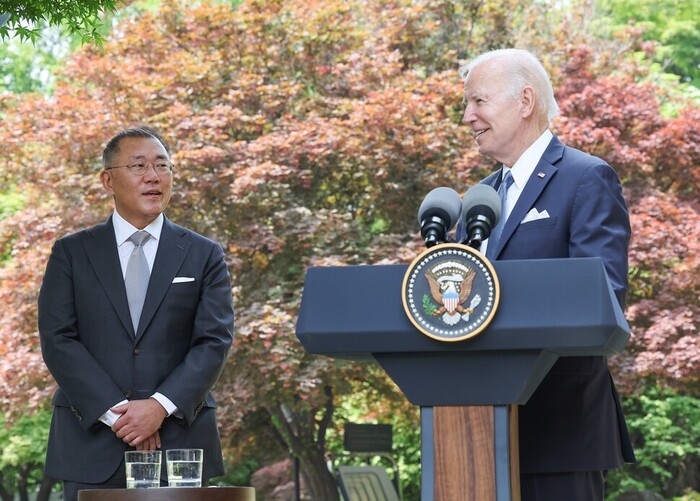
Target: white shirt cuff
x,y
110,417
167,404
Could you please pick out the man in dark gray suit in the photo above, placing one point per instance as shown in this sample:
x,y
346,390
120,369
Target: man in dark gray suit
x,y
133,373
560,203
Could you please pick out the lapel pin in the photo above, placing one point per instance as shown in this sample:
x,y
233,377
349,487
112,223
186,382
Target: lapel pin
x,y
540,175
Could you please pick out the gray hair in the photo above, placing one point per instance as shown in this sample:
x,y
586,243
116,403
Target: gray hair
x,y
523,69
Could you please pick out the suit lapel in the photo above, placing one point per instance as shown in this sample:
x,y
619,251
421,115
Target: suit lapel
x,y
540,178
172,249
101,249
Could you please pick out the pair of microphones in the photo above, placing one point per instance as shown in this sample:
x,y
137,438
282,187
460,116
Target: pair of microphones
x,y
478,211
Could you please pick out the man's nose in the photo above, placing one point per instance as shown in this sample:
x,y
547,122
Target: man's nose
x,y
151,173
468,116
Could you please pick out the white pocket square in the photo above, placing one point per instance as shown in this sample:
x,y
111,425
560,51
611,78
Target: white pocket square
x,y
179,280
534,215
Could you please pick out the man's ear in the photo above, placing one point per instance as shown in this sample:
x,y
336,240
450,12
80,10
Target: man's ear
x,y
527,102
106,179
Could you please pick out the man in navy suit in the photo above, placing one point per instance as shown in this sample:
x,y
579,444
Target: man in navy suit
x,y
561,203
129,380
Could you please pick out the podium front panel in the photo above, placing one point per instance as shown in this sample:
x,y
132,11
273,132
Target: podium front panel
x,y
564,306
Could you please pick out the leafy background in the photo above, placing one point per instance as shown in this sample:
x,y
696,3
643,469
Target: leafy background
x,y
307,135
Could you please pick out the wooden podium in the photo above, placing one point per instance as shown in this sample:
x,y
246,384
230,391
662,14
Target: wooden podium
x,y
170,494
468,390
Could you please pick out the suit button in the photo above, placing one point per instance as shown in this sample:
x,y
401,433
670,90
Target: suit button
x,y
137,351
128,394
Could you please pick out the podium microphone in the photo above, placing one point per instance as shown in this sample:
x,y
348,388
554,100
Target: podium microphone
x,y
438,213
481,210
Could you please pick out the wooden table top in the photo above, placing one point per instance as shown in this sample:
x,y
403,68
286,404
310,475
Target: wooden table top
x,y
170,494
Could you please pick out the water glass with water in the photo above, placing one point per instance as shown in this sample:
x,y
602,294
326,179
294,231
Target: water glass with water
x,y
142,469
184,467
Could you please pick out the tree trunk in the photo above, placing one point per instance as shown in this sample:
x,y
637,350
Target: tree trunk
x,y
319,481
22,475
305,438
4,494
44,493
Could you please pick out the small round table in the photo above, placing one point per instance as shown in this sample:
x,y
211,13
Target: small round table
x,y
170,494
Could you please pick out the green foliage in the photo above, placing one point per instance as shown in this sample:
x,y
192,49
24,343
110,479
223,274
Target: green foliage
x,y
407,444
11,201
25,440
23,448
674,94
367,404
665,430
238,473
680,49
31,67
673,24
379,225
76,17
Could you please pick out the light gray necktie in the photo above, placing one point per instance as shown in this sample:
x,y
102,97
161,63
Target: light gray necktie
x,y
498,229
137,276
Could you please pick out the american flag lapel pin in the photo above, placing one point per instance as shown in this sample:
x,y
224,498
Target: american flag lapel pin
x,y
540,175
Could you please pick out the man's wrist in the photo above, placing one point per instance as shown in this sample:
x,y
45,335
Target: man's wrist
x,y
110,417
165,403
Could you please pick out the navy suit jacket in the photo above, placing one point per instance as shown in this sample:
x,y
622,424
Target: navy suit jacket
x,y
573,421
90,348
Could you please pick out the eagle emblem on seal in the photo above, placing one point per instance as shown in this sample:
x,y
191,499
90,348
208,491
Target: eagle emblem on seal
x,y
450,285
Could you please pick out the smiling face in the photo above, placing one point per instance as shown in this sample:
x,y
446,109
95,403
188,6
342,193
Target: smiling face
x,y
138,199
498,118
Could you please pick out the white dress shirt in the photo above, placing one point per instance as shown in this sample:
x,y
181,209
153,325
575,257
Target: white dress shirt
x,y
124,229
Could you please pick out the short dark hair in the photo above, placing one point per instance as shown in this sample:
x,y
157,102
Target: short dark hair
x,y
112,147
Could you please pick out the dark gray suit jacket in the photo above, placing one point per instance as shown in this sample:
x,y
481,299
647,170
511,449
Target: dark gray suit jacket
x,y
90,348
573,421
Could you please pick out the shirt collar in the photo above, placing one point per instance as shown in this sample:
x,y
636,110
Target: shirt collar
x,y
124,229
524,167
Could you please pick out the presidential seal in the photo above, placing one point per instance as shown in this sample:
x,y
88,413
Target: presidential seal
x,y
450,292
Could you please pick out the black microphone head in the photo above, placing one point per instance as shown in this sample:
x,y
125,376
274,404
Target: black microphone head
x,y
438,214
481,210
442,202
481,199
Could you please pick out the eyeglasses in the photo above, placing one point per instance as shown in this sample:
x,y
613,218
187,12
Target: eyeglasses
x,y
140,168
